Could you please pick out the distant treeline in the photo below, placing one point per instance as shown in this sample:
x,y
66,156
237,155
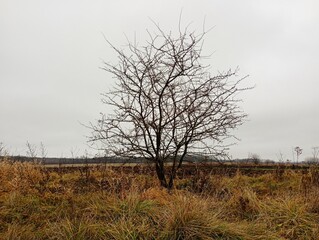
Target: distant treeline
x,y
95,160
98,160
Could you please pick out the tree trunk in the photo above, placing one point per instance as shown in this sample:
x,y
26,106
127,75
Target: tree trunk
x,y
171,182
161,175
172,176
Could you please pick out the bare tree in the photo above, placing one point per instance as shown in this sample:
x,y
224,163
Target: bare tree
x,y
254,158
167,105
3,151
280,157
298,151
315,154
44,151
31,150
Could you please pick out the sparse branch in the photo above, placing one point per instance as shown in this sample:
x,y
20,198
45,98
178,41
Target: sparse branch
x,y
31,150
3,151
167,105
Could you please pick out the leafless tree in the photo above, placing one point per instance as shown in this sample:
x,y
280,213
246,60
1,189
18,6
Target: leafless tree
x,y
44,151
1,148
31,150
280,157
315,154
167,105
298,151
254,157
3,151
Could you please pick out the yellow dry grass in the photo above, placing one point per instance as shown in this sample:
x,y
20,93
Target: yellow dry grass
x,y
103,203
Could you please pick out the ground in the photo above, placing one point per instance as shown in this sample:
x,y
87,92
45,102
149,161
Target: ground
x,y
126,202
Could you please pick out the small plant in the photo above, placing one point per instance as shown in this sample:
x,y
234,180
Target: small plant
x,y
279,172
298,151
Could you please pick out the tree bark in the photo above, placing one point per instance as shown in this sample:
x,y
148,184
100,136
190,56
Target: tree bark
x,y
161,175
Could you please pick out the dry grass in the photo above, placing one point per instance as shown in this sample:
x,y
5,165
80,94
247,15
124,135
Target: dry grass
x,y
103,203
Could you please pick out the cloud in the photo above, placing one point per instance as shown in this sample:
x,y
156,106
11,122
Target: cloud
x,y
51,51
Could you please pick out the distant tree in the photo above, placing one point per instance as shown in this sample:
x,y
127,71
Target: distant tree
x,y
167,105
254,158
268,161
3,151
280,157
315,154
298,151
311,160
44,151
314,158
31,150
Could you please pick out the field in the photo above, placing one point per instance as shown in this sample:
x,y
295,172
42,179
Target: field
x,y
126,202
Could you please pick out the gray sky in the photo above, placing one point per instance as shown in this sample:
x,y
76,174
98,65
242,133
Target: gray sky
x,y
51,51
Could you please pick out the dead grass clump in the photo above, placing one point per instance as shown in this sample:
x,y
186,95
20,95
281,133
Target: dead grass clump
x,y
190,217
305,184
263,185
22,176
134,206
130,228
236,182
117,184
158,194
186,217
20,208
314,172
313,201
76,228
128,217
17,231
279,172
112,208
243,204
290,218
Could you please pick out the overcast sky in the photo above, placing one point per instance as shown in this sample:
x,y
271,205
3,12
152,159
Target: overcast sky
x,y
51,53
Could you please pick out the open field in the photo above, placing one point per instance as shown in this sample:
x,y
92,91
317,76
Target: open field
x,y
116,202
213,168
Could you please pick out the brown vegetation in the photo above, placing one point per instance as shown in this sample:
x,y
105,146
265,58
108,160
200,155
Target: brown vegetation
x,y
118,203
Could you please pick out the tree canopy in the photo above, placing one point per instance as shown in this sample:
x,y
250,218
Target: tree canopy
x,y
167,105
